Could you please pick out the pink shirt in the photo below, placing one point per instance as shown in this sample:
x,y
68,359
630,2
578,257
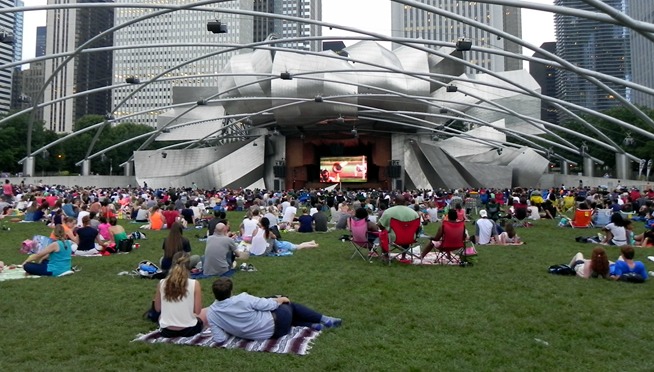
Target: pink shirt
x,y
7,189
103,229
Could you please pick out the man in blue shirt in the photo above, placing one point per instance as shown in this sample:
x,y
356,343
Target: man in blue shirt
x,y
256,318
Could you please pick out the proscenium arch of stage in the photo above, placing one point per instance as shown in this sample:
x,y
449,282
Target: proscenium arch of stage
x,y
639,26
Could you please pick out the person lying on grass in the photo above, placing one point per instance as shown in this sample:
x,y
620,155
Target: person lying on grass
x,y
596,267
256,318
179,300
54,259
509,236
265,242
626,265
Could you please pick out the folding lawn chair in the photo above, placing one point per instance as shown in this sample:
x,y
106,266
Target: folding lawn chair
x,y
360,243
452,247
582,219
406,236
602,217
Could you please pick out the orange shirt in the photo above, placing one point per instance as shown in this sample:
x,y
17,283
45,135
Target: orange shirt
x,y
157,221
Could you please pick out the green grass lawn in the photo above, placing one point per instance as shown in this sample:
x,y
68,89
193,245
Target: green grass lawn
x,y
504,313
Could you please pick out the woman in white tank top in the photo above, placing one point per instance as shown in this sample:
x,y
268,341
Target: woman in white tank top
x,y
179,300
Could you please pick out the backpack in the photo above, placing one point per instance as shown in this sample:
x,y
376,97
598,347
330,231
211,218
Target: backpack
x,y
136,235
632,278
149,270
125,245
561,269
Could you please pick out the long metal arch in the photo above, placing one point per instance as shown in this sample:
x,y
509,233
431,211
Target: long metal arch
x,y
254,13
619,16
228,11
278,41
397,71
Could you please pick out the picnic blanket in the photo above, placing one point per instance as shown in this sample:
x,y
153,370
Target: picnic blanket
x,y
17,273
298,341
429,259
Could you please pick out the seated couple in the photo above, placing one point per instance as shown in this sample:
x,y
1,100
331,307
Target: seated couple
x,y
179,301
599,266
265,242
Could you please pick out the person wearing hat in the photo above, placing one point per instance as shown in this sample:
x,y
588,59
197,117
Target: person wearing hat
x,y
485,229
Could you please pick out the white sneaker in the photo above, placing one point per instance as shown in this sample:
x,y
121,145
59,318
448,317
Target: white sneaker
x,y
651,258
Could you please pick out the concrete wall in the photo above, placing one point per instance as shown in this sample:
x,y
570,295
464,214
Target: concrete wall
x,y
556,180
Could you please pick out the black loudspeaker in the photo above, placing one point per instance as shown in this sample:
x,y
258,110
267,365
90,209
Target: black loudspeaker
x,y
279,171
277,185
398,185
394,171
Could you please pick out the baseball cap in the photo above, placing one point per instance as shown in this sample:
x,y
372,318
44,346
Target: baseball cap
x,y
483,213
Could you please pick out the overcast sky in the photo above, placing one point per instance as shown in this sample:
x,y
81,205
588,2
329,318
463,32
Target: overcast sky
x,y
371,15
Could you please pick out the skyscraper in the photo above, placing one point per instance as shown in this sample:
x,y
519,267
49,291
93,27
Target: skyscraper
x,y
67,29
6,56
308,9
41,34
545,75
145,63
18,33
33,78
596,46
642,52
17,78
410,22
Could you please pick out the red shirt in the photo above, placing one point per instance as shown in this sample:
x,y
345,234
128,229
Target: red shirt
x,y
7,189
170,216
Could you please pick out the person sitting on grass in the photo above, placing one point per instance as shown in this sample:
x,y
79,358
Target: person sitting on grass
x,y
265,242
596,267
176,242
485,229
219,253
179,300
616,234
256,318
89,239
54,259
646,239
626,265
305,222
116,231
509,236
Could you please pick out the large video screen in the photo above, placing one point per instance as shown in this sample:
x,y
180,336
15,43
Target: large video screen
x,y
344,169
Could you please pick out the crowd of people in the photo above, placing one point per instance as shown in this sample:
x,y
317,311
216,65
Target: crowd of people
x,y
85,221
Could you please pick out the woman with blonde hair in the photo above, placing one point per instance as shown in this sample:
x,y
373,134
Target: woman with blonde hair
x,y
596,267
53,260
179,300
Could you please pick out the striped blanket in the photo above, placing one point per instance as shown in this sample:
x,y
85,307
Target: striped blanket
x,y
298,341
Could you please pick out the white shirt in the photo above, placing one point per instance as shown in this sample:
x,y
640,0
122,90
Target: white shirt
x,y
81,215
178,313
289,214
619,234
484,231
249,225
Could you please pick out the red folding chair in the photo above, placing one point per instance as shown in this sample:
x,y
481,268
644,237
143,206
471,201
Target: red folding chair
x,y
406,236
583,218
452,247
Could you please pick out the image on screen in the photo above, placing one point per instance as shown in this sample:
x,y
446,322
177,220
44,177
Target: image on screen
x,y
344,169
